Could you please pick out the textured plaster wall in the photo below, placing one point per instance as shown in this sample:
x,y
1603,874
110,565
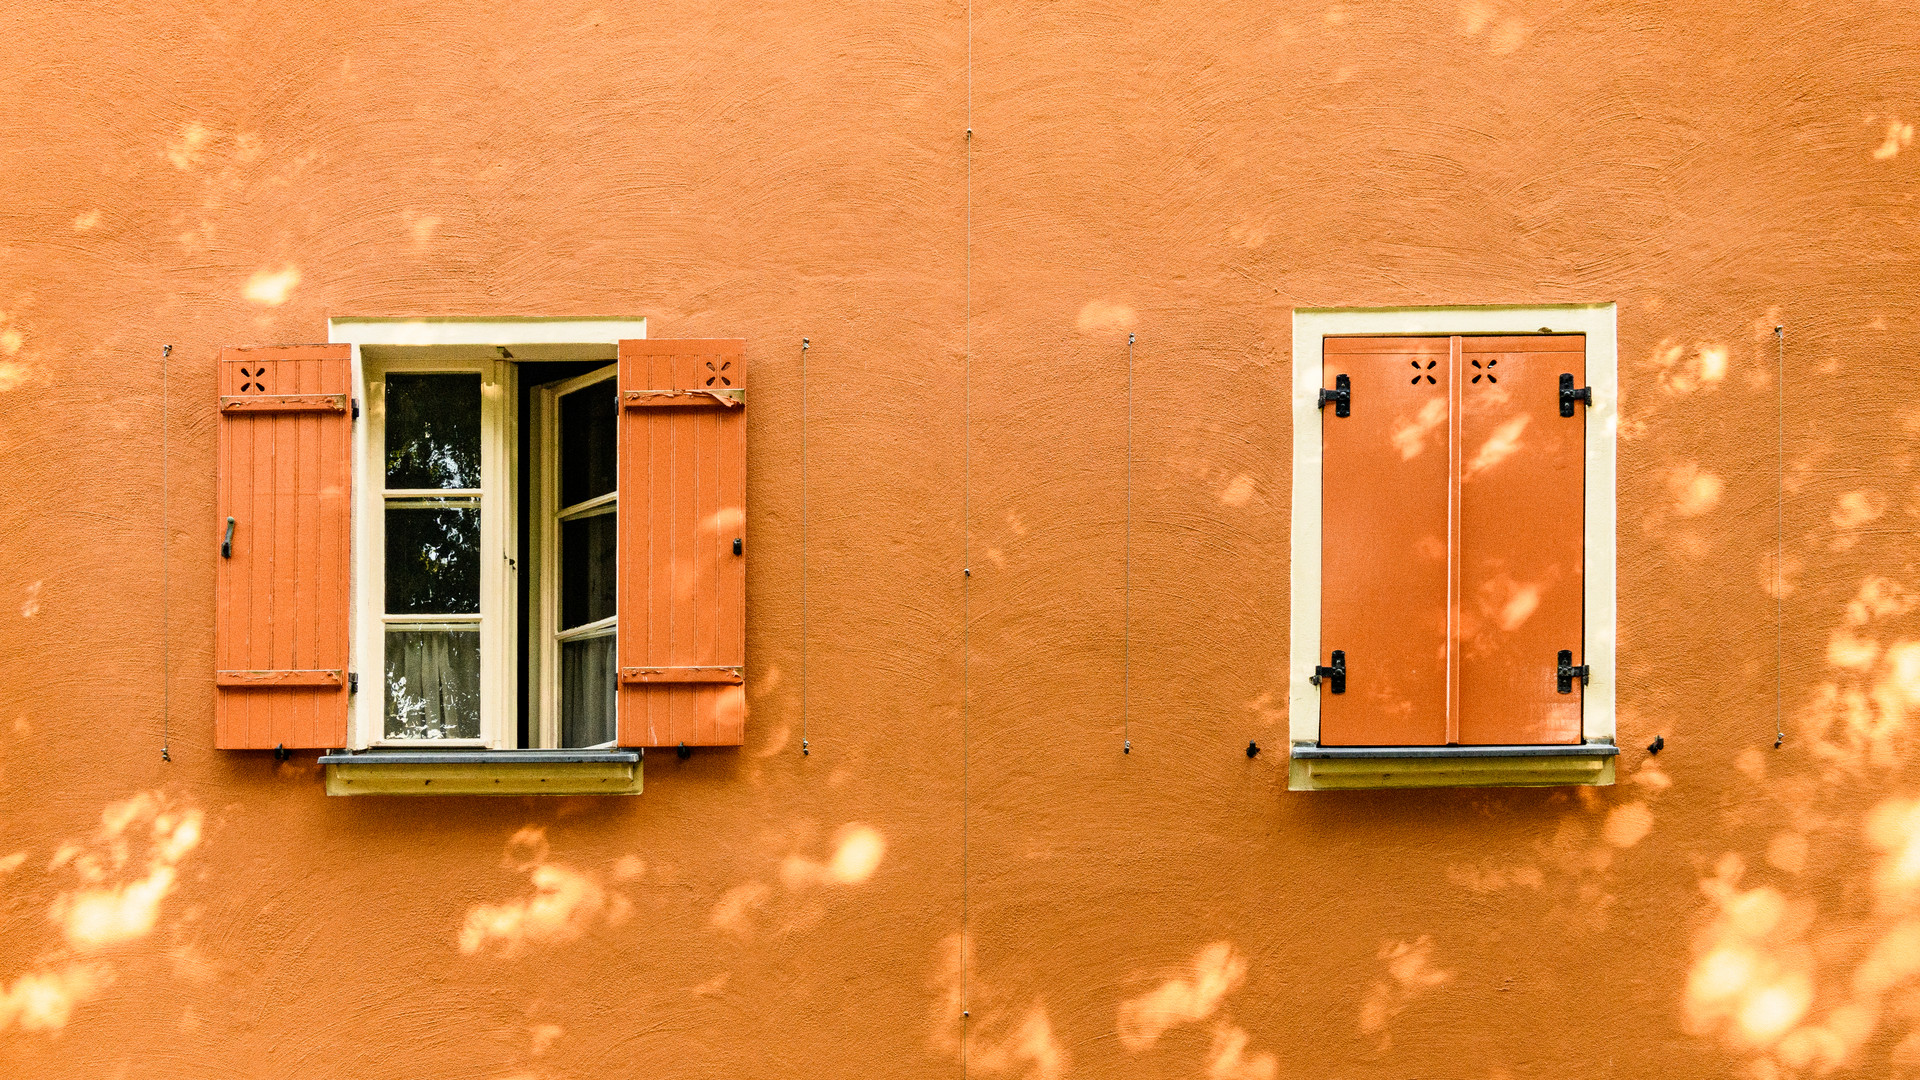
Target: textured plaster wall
x,y
210,174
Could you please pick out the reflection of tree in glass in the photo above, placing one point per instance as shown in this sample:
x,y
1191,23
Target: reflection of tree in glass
x,y
433,565
433,431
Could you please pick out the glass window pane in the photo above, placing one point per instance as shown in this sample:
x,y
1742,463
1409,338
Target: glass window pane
x,y
587,569
433,684
588,445
586,692
433,560
433,431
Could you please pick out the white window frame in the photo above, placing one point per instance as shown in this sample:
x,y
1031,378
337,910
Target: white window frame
x,y
543,637
1311,328
451,344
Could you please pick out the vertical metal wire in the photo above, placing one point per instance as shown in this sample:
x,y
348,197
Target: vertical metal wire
x,y
1779,531
1126,588
966,574
805,749
166,570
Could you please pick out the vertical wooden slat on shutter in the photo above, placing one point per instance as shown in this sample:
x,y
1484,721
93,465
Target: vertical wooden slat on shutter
x,y
281,606
682,631
1384,542
1522,550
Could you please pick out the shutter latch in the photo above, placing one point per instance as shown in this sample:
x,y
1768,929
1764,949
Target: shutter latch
x,y
1569,395
1567,672
1342,396
226,546
1336,675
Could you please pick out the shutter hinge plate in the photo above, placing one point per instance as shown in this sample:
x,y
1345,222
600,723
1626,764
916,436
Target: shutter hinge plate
x,y
1569,395
1567,671
1336,676
1341,396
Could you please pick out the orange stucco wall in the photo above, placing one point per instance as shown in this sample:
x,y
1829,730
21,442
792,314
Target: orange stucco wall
x,y
210,174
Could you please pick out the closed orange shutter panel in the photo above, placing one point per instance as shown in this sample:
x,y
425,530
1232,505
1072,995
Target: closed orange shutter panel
x,y
1522,544
682,567
1384,527
281,610
1452,558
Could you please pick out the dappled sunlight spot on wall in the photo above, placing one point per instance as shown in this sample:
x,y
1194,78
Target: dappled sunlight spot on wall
x,y
735,909
1002,1038
1501,445
86,221
1238,492
542,1038
1185,998
1105,317
1627,825
1410,973
45,1000
1410,435
1752,978
565,903
1504,33
1852,512
112,907
1695,491
1228,1059
186,150
1898,136
857,853
30,601
1788,851
271,288
1683,369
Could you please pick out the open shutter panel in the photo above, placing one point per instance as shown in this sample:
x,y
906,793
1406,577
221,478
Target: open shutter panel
x,y
283,525
683,568
1384,538
1522,548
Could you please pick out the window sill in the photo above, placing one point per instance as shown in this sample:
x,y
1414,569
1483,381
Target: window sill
x,y
1331,768
484,772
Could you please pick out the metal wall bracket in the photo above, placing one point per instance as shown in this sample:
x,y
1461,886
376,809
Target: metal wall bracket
x,y
1341,395
1566,672
1569,395
1336,675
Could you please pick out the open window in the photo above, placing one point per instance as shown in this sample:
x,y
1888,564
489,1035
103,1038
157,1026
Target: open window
x,y
1453,575
515,489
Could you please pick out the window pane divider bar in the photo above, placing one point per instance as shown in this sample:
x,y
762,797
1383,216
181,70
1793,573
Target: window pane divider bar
x,y
432,493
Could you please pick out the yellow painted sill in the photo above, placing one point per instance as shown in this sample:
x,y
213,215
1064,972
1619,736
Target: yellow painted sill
x,y
1332,768
484,772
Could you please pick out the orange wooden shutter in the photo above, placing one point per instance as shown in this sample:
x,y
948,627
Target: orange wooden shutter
x,y
285,485
683,568
1522,544
1383,548
1452,541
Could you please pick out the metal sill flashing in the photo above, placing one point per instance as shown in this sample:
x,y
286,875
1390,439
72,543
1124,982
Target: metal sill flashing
x,y
1323,768
484,772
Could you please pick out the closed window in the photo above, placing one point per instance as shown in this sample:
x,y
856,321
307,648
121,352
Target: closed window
x,y
1456,595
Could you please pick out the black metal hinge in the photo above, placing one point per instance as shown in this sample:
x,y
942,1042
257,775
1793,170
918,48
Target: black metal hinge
x,y
1567,672
1336,676
356,408
1569,395
353,682
1341,395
